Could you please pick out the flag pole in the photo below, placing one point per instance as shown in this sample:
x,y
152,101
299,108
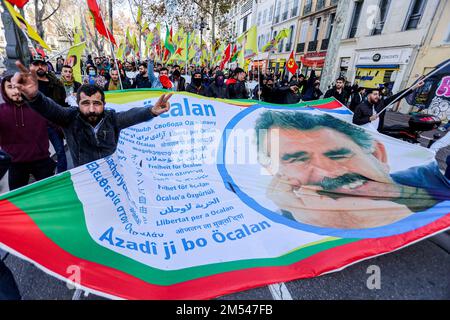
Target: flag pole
x,y
112,51
410,88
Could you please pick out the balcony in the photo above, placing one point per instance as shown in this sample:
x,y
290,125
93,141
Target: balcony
x,y
324,45
300,47
312,46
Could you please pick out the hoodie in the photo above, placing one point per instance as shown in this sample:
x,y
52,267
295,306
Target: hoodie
x,y
23,132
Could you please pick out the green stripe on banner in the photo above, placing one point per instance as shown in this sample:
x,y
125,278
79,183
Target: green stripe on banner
x,y
63,221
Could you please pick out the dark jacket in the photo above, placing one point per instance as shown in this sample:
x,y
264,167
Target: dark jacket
x,y
55,89
181,84
286,96
216,91
84,144
23,132
203,91
364,110
355,101
341,97
236,90
142,82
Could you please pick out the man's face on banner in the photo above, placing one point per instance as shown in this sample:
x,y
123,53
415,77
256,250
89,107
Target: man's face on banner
x,y
324,178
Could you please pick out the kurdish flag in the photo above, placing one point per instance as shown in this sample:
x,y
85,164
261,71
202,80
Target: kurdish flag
x,y
272,44
173,214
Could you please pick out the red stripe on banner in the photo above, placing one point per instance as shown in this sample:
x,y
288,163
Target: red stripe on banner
x,y
19,232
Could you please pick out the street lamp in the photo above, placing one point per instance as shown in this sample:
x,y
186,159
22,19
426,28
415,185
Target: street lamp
x,y
202,26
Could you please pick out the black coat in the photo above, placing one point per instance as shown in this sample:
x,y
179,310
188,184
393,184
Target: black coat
x,y
341,97
216,91
237,91
85,144
356,100
201,91
141,82
181,84
364,110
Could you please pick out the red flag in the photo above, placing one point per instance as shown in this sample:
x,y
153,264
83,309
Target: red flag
x,y
226,57
18,3
98,21
291,65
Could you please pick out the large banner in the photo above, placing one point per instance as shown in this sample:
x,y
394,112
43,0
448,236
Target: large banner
x,y
221,196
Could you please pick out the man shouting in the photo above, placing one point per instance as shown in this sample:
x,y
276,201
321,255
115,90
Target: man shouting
x,y
91,131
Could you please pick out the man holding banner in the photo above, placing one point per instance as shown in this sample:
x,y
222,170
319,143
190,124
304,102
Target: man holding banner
x,y
91,131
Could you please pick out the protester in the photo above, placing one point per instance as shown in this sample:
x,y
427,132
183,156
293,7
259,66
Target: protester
x,y
91,131
93,78
143,80
179,83
197,86
70,85
51,87
356,98
366,113
236,88
338,91
24,136
218,89
114,83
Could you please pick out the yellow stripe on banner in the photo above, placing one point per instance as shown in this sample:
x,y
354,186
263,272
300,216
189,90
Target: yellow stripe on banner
x,y
328,239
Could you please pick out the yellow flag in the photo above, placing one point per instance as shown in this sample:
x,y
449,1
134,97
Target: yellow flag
x,y
251,44
73,59
24,26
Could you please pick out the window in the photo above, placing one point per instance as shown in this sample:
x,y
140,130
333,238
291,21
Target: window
x,y
304,32
320,4
355,19
415,14
330,25
447,37
264,17
317,29
244,24
291,36
270,14
259,19
277,12
308,7
294,8
285,12
384,7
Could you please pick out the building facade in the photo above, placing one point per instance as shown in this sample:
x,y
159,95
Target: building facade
x,y
314,29
381,41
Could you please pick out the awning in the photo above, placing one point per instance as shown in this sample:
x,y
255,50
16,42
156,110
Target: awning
x,y
378,66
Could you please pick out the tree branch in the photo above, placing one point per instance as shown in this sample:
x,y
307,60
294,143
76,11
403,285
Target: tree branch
x,y
54,11
201,6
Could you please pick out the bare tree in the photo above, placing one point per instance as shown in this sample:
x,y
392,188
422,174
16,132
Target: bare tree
x,y
44,10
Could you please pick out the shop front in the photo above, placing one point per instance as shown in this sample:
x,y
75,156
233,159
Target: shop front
x,y
382,68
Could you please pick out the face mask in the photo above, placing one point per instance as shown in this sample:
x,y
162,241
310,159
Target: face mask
x,y
220,81
197,82
92,72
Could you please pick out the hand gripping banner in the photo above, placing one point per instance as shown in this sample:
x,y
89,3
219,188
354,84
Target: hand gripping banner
x,y
219,196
